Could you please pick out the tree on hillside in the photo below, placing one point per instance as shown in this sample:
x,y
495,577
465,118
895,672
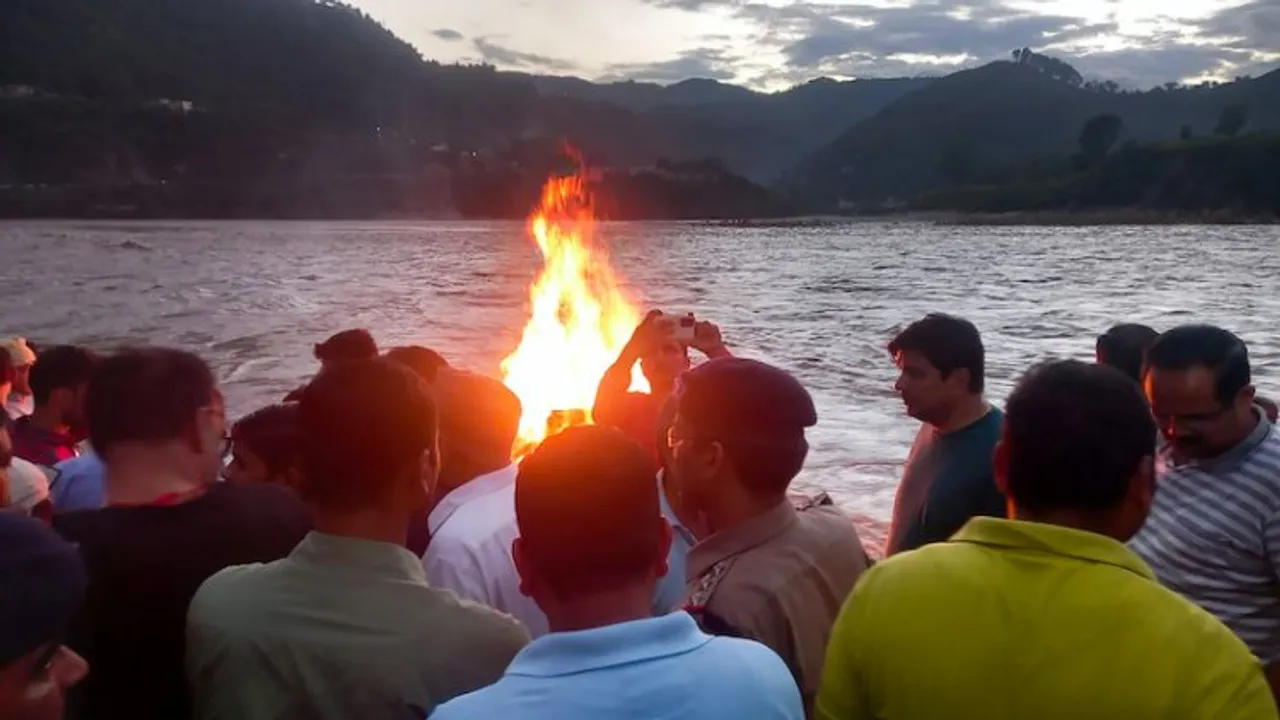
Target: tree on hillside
x,y
1097,137
1051,66
1231,121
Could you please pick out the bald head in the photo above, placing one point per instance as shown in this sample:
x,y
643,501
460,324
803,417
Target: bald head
x,y
479,421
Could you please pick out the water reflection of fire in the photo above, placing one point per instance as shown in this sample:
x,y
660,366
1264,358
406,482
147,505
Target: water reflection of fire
x,y
579,319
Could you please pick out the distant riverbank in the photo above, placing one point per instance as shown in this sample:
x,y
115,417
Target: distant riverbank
x,y
1080,218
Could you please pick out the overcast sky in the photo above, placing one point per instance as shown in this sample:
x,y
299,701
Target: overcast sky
x,y
772,44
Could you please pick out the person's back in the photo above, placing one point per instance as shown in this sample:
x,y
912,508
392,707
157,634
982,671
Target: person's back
x,y
346,627
145,563
787,591
474,522
592,546
683,675
310,638
998,623
156,418
1047,615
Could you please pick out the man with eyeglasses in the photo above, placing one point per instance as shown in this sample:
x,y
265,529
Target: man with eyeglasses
x,y
765,567
1213,534
156,418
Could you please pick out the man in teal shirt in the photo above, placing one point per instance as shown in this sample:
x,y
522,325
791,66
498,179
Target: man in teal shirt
x,y
947,478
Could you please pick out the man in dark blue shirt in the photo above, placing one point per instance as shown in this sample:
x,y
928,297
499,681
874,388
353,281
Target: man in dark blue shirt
x,y
948,476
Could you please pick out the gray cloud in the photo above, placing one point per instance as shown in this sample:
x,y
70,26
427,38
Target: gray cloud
x,y
447,35
507,58
1147,67
935,37
1254,26
710,63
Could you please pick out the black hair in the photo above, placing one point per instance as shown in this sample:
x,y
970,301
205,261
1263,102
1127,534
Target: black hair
x,y
272,433
1124,347
767,464
424,361
59,368
949,343
146,395
363,425
1074,435
588,510
346,346
1188,346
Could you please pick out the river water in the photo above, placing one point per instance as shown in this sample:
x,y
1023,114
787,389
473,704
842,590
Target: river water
x,y
822,302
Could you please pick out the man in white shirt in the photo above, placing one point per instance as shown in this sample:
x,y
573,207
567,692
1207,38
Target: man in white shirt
x,y
474,521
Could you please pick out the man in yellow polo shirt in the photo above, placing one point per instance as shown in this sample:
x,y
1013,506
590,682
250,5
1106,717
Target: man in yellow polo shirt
x,y
1047,615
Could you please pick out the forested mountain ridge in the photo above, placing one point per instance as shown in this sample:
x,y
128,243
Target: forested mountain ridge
x,y
1003,116
303,108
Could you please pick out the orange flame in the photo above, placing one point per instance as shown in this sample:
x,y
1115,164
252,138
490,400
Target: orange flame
x,y
579,318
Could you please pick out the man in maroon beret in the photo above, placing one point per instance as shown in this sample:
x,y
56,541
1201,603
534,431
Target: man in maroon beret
x,y
764,567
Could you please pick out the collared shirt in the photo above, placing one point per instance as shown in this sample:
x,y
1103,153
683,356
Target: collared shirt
x,y
1023,620
80,483
40,446
670,590
341,629
470,550
780,579
1213,536
662,667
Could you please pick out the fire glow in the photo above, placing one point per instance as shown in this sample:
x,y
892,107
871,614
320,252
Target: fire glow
x,y
579,318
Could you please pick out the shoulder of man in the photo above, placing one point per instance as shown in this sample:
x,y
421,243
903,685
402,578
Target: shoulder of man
x,y
228,593
757,673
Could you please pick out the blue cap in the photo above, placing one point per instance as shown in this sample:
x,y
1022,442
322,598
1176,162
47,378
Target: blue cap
x,y
42,586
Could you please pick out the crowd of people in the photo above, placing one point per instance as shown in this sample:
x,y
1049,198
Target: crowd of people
x,y
1106,546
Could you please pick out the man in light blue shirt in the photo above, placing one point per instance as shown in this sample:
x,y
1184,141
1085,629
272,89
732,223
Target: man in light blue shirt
x,y
591,549
79,483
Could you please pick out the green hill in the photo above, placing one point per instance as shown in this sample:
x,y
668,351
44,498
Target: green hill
x,y
1001,116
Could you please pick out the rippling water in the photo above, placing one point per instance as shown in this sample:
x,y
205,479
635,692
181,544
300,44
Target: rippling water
x,y
252,298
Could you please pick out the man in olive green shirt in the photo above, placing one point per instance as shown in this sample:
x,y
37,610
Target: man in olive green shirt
x,y
1048,615
345,627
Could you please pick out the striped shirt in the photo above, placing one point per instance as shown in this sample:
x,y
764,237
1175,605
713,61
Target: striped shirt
x,y
1213,536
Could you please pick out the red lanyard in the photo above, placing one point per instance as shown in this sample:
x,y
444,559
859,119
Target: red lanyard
x,y
166,500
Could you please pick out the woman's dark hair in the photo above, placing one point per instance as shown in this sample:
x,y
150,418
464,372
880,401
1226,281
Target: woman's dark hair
x,y
1124,347
1074,435
272,434
949,343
